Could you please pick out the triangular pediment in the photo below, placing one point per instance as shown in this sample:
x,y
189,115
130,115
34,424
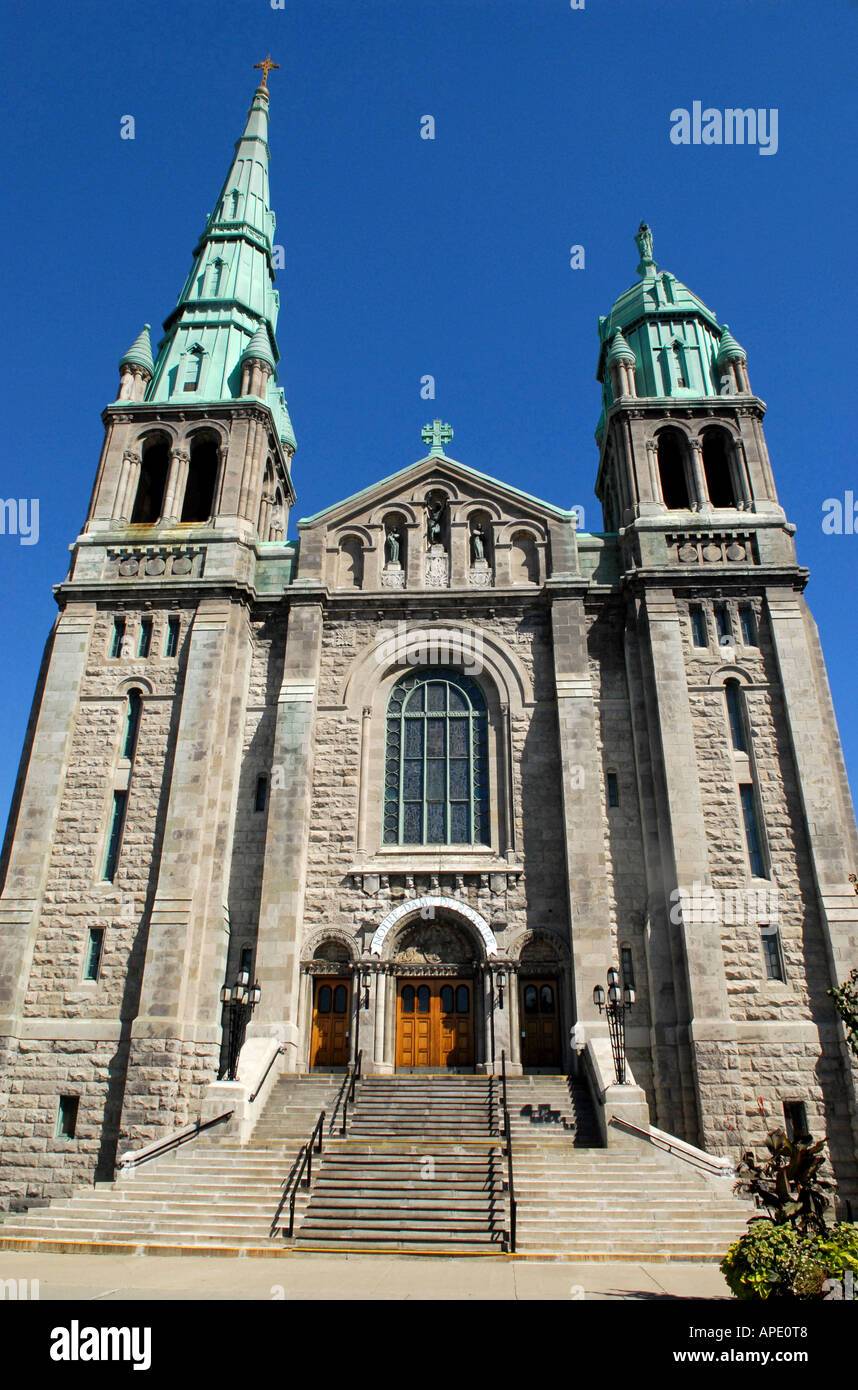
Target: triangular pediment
x,y
409,487
437,524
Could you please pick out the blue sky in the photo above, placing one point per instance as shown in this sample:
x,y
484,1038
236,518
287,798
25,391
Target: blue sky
x,y
407,256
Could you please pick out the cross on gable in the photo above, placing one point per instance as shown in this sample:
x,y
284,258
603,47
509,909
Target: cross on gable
x,y
435,436
266,66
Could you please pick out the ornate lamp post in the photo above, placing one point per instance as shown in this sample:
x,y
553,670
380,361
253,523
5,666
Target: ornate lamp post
x,y
240,1001
620,998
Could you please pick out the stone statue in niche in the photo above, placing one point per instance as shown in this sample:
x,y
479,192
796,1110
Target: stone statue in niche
x,y
393,547
435,525
126,649
478,543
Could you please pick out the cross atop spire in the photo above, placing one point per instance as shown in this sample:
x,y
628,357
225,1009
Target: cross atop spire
x,y
266,66
435,436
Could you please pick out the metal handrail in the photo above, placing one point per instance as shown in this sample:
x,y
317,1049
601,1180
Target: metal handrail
x,y
279,1053
303,1159
173,1141
510,1179
709,1165
340,1093
350,1093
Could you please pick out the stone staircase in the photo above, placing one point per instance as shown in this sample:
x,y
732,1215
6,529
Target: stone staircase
x,y
577,1200
420,1171
210,1194
551,1108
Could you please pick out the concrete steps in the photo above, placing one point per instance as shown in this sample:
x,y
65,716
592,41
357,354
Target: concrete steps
x,y
210,1194
549,1108
419,1171
632,1203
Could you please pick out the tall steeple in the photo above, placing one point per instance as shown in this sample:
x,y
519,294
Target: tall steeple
x,y
229,298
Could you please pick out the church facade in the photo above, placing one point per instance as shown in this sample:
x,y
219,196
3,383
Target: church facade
x,y
428,771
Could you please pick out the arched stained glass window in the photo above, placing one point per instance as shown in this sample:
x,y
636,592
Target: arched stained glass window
x,y
436,761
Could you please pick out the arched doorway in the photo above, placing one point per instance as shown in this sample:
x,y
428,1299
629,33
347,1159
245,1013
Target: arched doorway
x,y
540,1008
437,998
331,1029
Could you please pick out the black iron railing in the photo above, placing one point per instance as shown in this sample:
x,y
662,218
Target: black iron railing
x,y
339,1100
349,1097
279,1053
303,1165
506,1131
171,1142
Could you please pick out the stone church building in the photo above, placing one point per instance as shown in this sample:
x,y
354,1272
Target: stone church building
x,y
427,771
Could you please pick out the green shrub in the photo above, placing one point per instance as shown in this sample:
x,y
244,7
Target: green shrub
x,y
774,1260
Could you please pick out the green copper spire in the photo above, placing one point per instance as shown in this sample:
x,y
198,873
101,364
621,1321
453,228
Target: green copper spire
x,y
619,350
228,299
140,353
674,337
729,350
259,347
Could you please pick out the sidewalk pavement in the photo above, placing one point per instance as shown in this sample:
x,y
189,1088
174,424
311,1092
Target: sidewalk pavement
x,y
113,1278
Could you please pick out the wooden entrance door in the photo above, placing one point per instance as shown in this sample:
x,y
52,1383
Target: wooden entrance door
x,y
540,1023
435,1023
330,1042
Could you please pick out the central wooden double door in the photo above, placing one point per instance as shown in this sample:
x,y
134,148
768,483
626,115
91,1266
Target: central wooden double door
x,y
434,1023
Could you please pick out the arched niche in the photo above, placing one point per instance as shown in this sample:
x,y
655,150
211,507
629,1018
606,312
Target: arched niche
x,y
718,453
674,469
203,465
152,483
349,563
523,558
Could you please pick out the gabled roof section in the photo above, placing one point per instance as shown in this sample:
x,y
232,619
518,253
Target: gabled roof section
x,y
439,466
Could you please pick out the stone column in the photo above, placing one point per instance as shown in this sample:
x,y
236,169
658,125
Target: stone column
x,y
36,803
177,1032
281,910
174,493
827,815
698,473
129,477
583,808
382,983
685,862
364,788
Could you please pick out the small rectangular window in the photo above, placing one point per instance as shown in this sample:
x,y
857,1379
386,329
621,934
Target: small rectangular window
x,y
171,646
772,952
67,1117
613,790
752,829
722,622
246,959
748,621
795,1120
114,837
145,637
118,635
627,965
93,953
736,716
261,794
698,626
